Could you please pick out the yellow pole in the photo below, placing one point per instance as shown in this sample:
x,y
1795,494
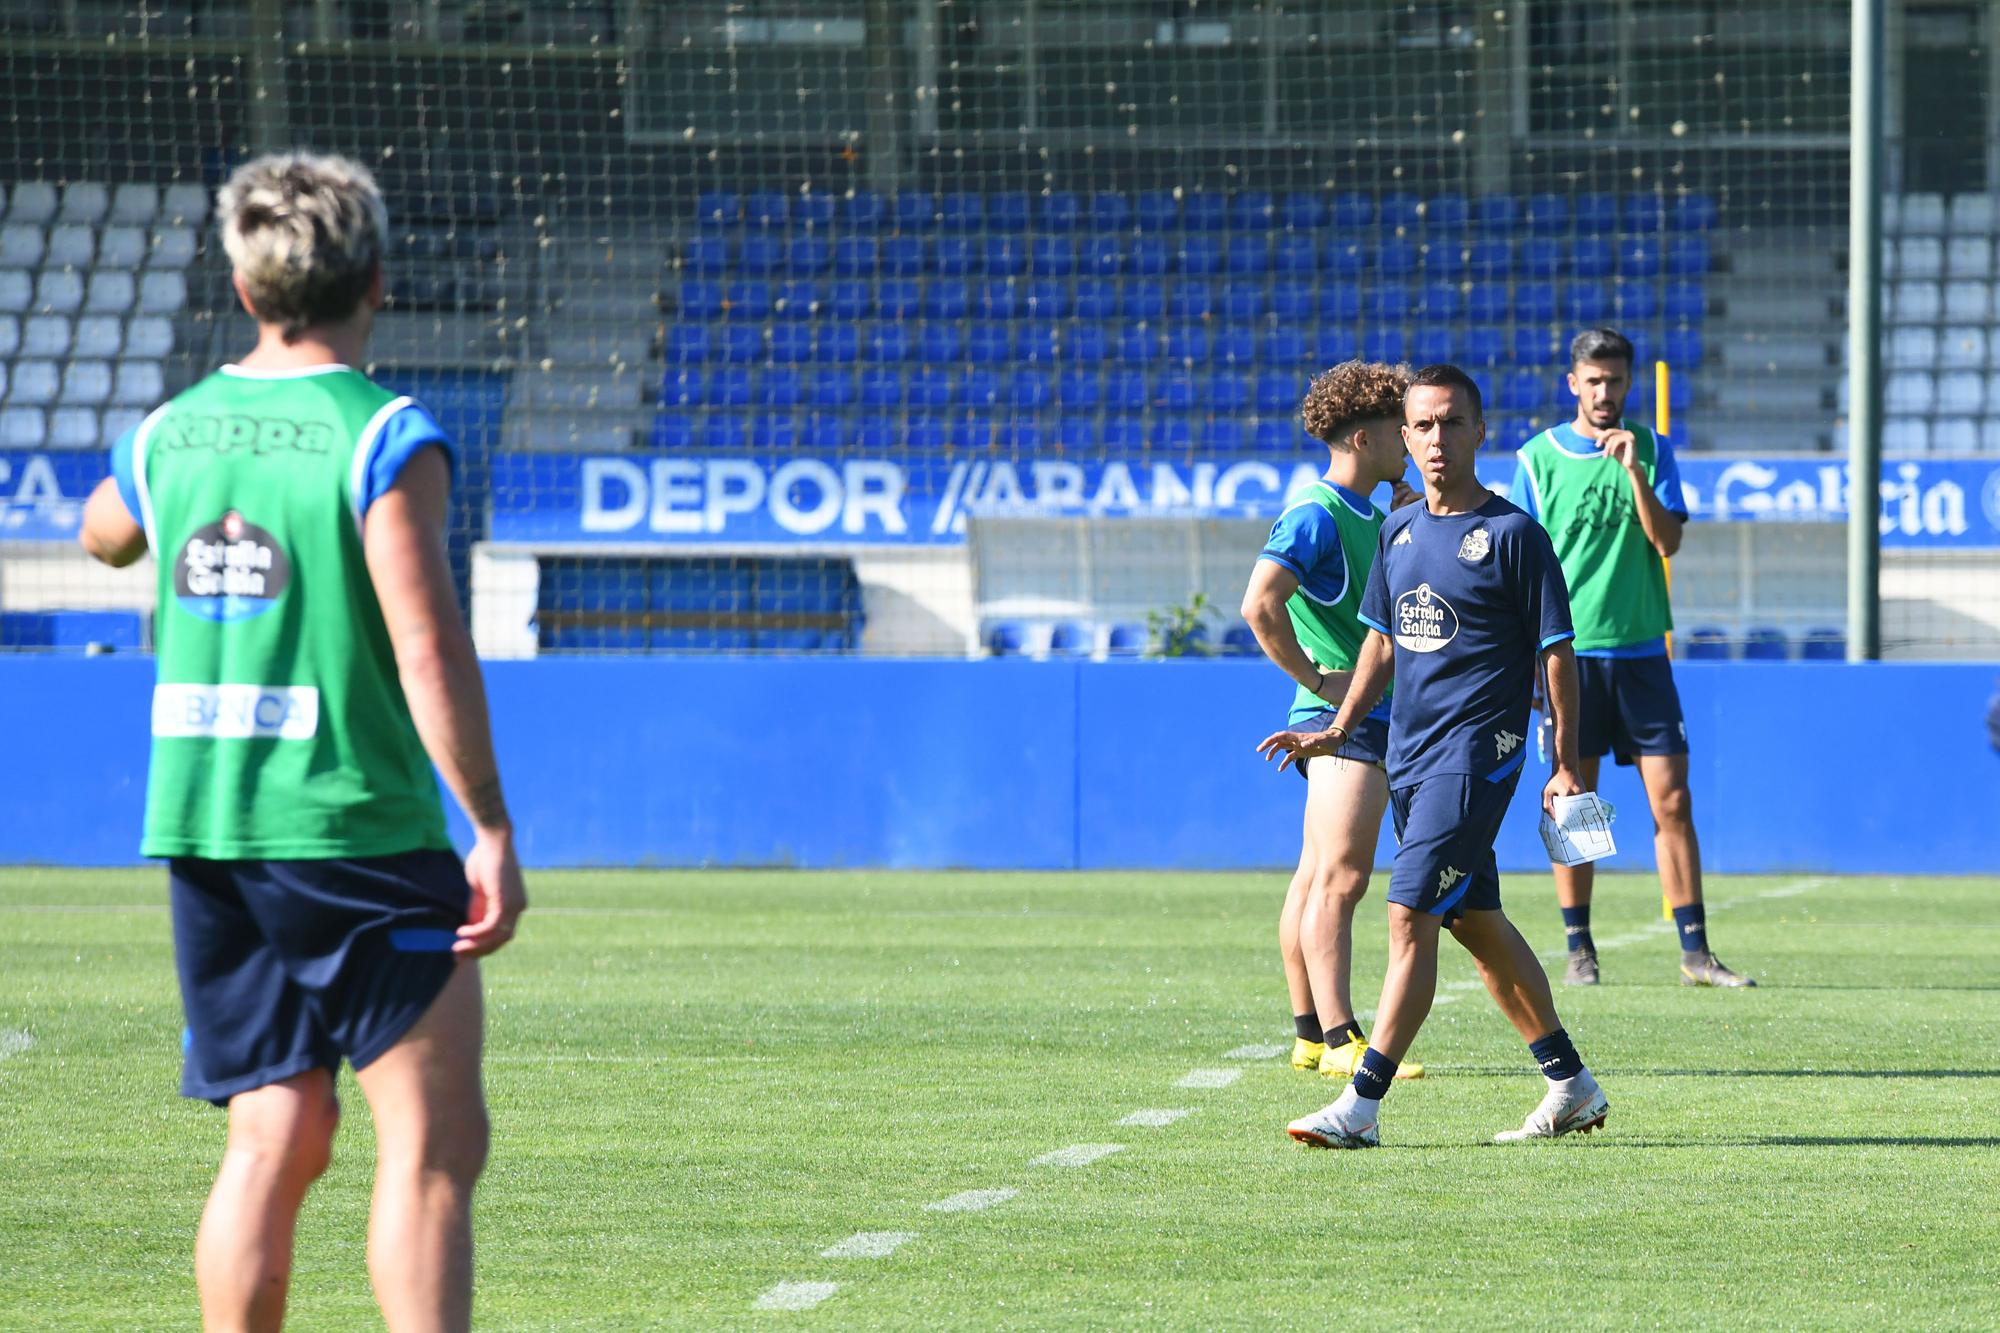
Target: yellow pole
x,y
1663,417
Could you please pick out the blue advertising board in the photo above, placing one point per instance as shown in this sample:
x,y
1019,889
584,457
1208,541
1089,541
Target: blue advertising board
x,y
42,492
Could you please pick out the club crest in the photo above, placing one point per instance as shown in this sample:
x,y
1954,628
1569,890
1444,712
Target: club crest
x,y
1475,546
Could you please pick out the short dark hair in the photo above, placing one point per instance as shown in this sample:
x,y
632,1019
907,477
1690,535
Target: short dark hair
x,y
1601,345
1444,375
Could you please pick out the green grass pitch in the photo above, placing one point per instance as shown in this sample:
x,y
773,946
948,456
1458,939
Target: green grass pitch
x,y
701,1081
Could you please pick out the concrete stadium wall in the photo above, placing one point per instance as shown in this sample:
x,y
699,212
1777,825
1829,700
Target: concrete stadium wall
x,y
1045,765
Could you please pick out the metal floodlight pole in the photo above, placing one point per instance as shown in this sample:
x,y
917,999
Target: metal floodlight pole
x,y
1864,333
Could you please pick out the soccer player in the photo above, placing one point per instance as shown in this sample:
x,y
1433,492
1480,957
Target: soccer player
x,y
1303,604
1609,493
312,666
1464,602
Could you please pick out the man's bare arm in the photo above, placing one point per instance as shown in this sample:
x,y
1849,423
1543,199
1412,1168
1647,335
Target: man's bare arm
x,y
109,531
1271,586
1558,663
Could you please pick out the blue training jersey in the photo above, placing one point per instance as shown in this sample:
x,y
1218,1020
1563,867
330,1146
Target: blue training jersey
x,y
1306,541
1471,600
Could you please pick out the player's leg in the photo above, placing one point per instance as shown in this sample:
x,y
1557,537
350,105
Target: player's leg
x,y
1307,1041
431,1134
280,1141
1573,889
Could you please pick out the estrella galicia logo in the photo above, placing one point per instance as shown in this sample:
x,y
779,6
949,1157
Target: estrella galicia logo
x,y
230,569
1425,622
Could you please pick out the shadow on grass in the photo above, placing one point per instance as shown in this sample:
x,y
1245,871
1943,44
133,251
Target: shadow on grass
x,y
1613,1071
1611,1140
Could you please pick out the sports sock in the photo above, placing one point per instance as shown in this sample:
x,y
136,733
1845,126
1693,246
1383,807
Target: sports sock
x,y
1576,927
1307,1026
1373,1075
1692,922
1557,1056
1349,1031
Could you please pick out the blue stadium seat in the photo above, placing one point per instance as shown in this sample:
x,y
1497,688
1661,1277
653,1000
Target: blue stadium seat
x,y
1110,211
1538,257
1240,641
1277,392
1439,301
778,387
880,388
707,255
1242,301
1585,303
724,431
813,211
902,256
1284,347
1060,211
1006,638
747,300
1048,299
1447,214
1051,257
1038,343
1444,261
1399,210
1687,256
864,210
1088,345
986,344
774,430
961,211
1124,434
1432,345
796,300
1077,435
979,388
1295,254
1096,298
1535,302
1638,257
1487,302
1223,435
1522,391
827,432
1248,256
1682,349
1173,391
1637,301
850,300
945,298
1235,345
1191,300
1353,210
1596,214
1496,215
930,387
856,256
1187,341
1156,210
1125,391
899,298
1680,392
1489,260
1643,214
838,344
718,208
1004,256
1292,301
1386,302
1340,303
1548,214
760,256
1103,256
1018,437
728,386
940,344
1482,345
1591,257
685,387
922,435
1071,638
956,256
1226,392
828,389
1483,379
1126,640
767,209
1175,433
1198,256
1204,210
1346,258
1079,391
1766,643
1253,210
1331,346
1304,210
741,344
915,212
1685,301
792,343
1540,347
687,344
673,430
807,256
1279,435
701,299
877,434
1143,300
1385,345
1396,259
1694,212
996,298
1148,257
1009,211
1823,644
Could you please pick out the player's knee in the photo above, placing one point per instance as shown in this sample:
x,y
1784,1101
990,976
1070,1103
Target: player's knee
x,y
454,1146
290,1135
1675,807
1341,886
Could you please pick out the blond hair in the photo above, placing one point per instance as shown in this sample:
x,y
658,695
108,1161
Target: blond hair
x,y
1350,395
306,234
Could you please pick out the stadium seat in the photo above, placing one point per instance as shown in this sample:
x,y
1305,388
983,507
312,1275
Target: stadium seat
x,y
1489,260
1385,345
1226,393
1304,210
1187,342
728,386
1204,210
1921,214
979,388
1694,212
1038,343
1333,345
32,201
1386,304
996,298
1095,298
1643,214
1522,391
1248,256
880,388
88,384
10,339
1295,254
1954,437
1964,256
1252,210
75,428
1905,436
961,211
1110,211
1638,257
901,256
1353,210
1103,256
946,298
828,389
1766,643
1124,433
1965,303
1399,211
71,245
1538,257
1446,215
940,344
778,387
1912,348
1292,301
864,211
760,256
797,300
1174,391
1285,347
1126,640
1087,345
1432,345
1823,644
1278,392
1346,259
1235,345
1535,302
685,387
23,427
1444,260
1685,301
1148,257
1918,257
1078,391
1970,215
1483,345
1279,435
791,344
1683,349
1126,391
1538,347
1396,259
956,256
1002,256
1962,347
1707,643
898,298
1636,302
1191,300
814,212
1340,303
1585,303
1591,257
1909,393
1439,301
1240,641
856,256
1198,256
1487,302
1138,344
929,387
33,383
1496,215
1687,256
807,256
876,434
1051,257
1242,301
1548,214
133,204
59,292
774,431
47,337
1223,435
1070,638
1596,214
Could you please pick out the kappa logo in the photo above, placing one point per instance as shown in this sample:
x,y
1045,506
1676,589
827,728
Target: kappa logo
x,y
1402,538
1504,744
1447,877
1475,546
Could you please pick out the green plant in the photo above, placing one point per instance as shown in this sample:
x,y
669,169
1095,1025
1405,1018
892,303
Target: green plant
x,y
1181,630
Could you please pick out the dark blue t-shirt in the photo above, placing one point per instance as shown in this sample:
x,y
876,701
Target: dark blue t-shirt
x,y
1470,600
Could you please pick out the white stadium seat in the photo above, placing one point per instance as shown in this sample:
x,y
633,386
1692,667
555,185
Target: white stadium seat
x,y
1989,435
1963,347
1906,435
121,247
139,384
1968,302
1971,215
162,293
10,335
46,336
23,427
84,201
111,292
21,245
71,245
75,428
99,336
1909,393
1914,303
1954,435
150,337
34,383
185,204
173,247
17,290
59,291
1969,257
1922,215
1919,257
1962,393
86,383
33,202
135,204
118,420
1913,348
1993,391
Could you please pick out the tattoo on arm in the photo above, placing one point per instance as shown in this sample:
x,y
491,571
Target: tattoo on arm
x,y
484,804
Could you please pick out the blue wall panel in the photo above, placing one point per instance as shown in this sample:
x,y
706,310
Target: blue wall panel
x,y
850,762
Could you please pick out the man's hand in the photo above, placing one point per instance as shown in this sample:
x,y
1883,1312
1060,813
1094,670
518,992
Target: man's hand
x,y
1562,782
498,896
1402,493
1289,747
1622,447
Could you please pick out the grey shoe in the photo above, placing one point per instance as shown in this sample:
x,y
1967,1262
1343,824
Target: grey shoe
x,y
1582,969
1705,969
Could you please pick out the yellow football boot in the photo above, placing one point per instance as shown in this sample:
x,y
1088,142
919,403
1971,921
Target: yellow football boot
x,y
1306,1054
1340,1061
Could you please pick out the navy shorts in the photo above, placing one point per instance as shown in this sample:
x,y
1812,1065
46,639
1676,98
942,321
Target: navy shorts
x,y
1446,826
1368,743
287,966
1628,706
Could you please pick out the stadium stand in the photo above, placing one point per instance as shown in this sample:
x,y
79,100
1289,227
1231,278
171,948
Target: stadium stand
x,y
1942,389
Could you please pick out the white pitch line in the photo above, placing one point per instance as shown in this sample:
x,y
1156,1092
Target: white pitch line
x,y
795,1295
1078,1154
1151,1119
13,1041
971,1201
1256,1051
869,1245
1208,1078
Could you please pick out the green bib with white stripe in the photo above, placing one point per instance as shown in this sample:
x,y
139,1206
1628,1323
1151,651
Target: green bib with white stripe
x,y
280,731
1332,632
1617,581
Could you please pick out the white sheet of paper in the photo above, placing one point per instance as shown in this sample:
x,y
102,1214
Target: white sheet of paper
x,y
1580,831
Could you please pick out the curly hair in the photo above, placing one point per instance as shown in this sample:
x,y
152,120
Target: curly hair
x,y
1352,393
306,234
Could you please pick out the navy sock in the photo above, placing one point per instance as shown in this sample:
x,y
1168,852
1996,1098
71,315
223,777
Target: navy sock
x,y
1692,923
1576,926
1307,1026
1373,1075
1557,1056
